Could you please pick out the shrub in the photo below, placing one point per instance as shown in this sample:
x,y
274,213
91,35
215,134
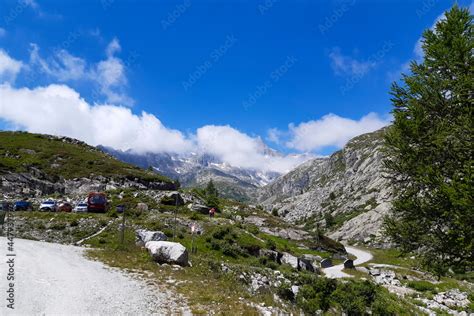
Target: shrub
x,y
315,294
58,226
74,223
422,286
272,265
275,212
354,297
195,216
221,232
232,251
270,244
168,232
329,219
285,292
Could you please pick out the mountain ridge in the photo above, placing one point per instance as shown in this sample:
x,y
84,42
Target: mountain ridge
x,y
347,193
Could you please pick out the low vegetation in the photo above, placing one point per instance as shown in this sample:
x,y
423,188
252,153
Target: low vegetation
x,y
62,157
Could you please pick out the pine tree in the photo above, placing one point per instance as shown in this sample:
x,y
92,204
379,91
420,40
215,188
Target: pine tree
x,y
212,195
430,149
211,189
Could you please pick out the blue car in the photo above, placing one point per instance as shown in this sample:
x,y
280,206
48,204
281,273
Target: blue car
x,y
22,206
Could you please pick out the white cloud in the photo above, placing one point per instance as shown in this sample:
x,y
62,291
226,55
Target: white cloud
x,y
331,130
3,32
9,67
113,47
30,3
274,135
59,110
346,65
241,150
61,65
108,75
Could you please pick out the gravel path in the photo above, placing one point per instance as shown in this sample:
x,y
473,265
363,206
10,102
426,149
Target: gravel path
x,y
53,279
336,271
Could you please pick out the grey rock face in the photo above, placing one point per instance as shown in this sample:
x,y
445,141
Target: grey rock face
x,y
144,236
351,184
168,252
196,169
290,260
35,183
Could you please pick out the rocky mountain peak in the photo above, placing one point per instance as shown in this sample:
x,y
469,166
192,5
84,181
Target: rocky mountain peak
x,y
346,193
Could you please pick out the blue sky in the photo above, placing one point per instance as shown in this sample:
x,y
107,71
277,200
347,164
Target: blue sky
x,y
300,75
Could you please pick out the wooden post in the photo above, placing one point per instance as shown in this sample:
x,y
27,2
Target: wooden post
x,y
175,216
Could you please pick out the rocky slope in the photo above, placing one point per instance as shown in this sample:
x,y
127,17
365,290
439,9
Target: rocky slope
x,y
196,169
346,193
33,165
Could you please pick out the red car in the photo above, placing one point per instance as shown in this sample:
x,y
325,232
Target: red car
x,y
65,207
97,202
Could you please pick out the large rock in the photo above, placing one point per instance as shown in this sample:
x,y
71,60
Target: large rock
x,y
172,198
312,257
290,260
144,236
271,254
326,263
452,298
168,252
203,209
307,265
348,264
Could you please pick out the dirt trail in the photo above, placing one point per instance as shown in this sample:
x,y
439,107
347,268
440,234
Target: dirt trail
x,y
53,279
336,271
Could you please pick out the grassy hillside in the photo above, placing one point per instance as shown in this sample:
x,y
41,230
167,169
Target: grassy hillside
x,y
63,157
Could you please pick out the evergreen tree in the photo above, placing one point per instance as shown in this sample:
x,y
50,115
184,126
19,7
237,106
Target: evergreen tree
x,y
212,195
430,149
211,189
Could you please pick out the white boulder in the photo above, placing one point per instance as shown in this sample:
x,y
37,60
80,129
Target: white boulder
x,y
168,252
144,236
289,259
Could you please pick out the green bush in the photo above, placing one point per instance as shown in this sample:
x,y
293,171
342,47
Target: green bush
x,y
351,297
232,250
195,216
285,292
74,223
355,297
422,286
271,244
57,226
315,294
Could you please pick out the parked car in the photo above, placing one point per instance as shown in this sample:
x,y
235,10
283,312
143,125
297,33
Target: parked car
x,y
48,206
80,207
97,202
5,206
22,206
65,207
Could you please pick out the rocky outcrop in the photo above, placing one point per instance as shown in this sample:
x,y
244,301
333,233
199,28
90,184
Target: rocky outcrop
x,y
348,187
35,183
289,259
168,252
144,236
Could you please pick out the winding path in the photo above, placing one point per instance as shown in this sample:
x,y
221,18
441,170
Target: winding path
x,y
336,271
53,279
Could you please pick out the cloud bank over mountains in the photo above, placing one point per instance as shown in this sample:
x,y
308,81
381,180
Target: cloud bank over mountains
x,y
58,109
